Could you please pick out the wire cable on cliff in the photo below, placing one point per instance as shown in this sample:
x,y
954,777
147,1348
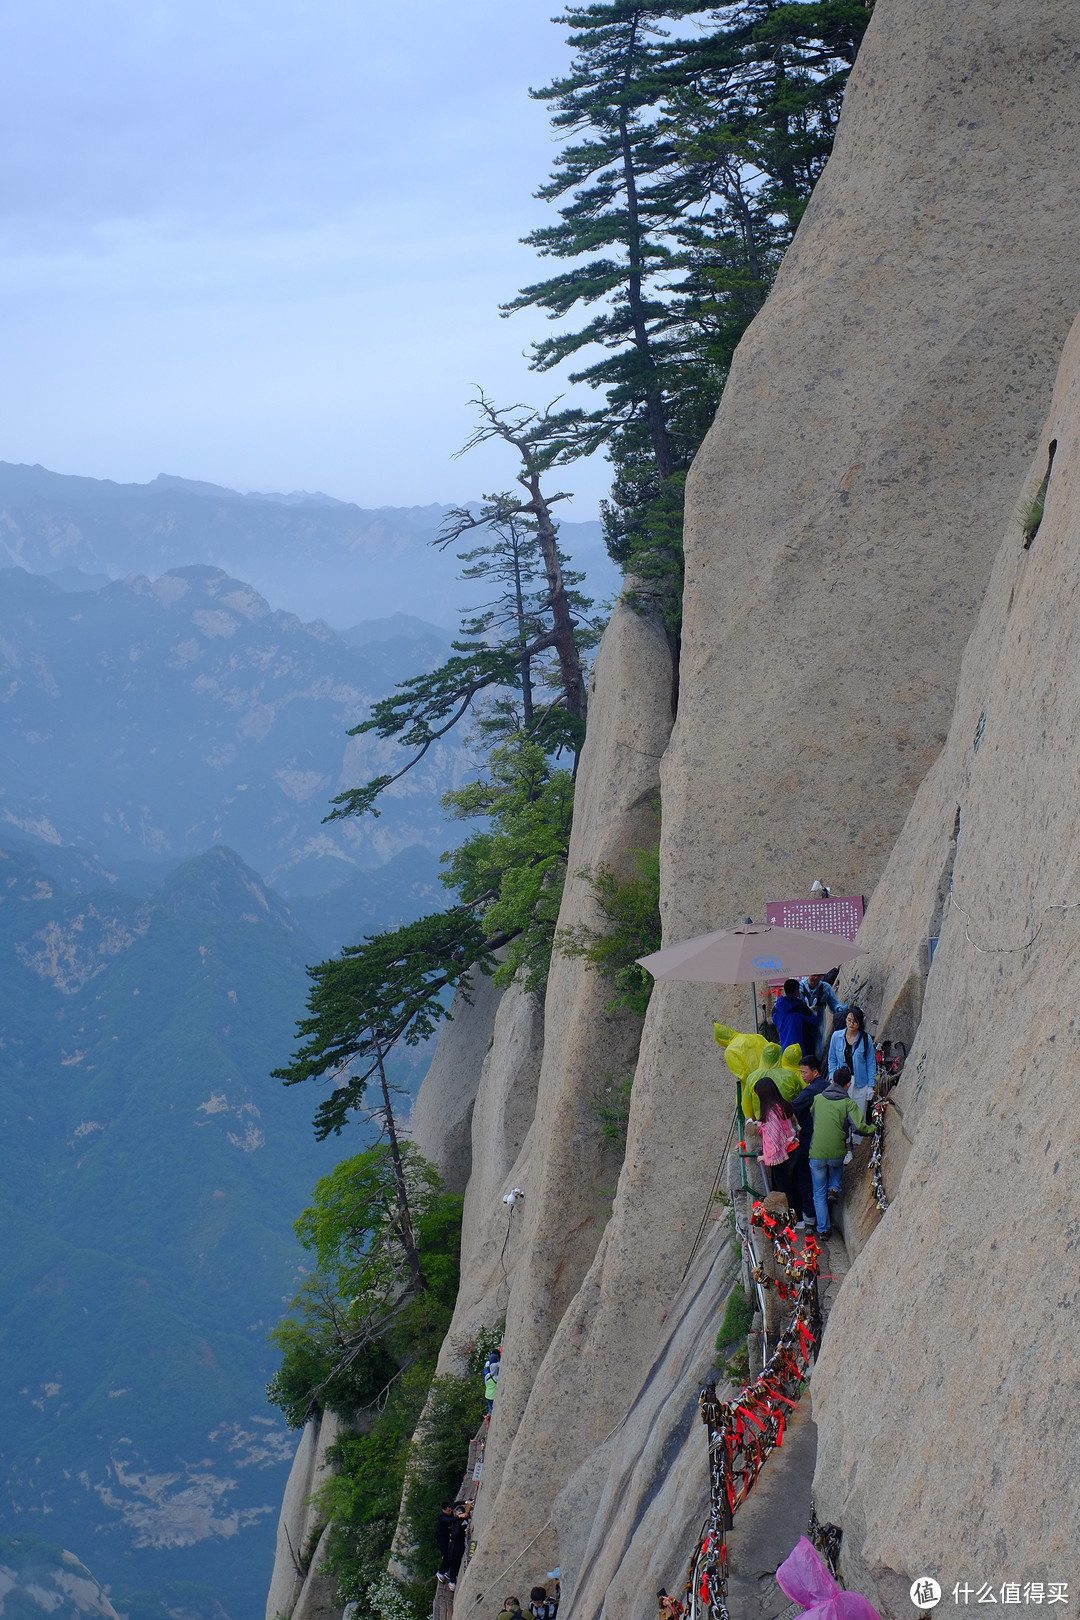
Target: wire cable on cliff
x,y
717,1179
1010,950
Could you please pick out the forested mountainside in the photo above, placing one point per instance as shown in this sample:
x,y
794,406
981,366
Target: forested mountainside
x,y
150,1172
319,557
147,720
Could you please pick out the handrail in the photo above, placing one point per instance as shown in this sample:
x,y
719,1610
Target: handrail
x,y
744,1431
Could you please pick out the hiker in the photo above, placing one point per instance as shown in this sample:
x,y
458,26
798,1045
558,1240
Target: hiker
x,y
779,1138
669,1608
491,1376
511,1609
457,1538
832,1111
851,1048
798,1026
814,1084
541,1606
442,1538
821,998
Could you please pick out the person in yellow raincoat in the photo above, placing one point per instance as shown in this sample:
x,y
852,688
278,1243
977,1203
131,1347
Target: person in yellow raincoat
x,y
752,1058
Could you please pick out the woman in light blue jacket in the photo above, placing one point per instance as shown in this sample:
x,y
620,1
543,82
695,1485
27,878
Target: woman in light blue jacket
x,y
852,1048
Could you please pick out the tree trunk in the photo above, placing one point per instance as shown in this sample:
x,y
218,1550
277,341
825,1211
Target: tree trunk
x,y
566,647
523,638
404,1214
655,415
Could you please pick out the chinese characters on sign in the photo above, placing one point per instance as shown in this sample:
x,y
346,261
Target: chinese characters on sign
x,y
839,914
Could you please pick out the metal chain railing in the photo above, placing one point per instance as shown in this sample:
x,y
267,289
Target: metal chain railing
x,y
744,1431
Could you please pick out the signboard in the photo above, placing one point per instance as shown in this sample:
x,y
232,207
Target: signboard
x,y
839,914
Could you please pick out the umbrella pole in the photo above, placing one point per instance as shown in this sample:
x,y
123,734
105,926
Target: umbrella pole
x,y
738,1104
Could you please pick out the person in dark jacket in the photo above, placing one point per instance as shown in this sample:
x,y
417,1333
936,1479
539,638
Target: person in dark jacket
x,y
814,1084
442,1538
457,1536
442,1528
794,1020
823,1002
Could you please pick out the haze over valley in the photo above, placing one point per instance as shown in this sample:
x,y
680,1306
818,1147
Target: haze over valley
x,y
171,745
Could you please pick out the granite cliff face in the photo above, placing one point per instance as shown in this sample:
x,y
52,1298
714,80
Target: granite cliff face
x,y
531,1446
875,441
986,1479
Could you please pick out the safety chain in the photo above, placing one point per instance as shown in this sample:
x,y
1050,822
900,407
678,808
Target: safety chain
x,y
826,1538
877,1154
744,1431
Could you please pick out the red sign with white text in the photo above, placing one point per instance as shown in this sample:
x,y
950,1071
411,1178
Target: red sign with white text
x,y
839,914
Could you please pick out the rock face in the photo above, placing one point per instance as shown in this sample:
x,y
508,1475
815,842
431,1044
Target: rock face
x,y
844,511
441,1123
980,1334
627,1519
297,1589
530,1452
505,1106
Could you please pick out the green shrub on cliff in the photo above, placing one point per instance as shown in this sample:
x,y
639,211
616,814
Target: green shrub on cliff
x,y
362,1340
631,907
516,866
455,1411
359,1322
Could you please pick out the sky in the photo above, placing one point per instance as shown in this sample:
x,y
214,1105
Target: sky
x,y
265,244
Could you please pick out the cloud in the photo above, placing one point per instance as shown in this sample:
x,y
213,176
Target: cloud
x,y
265,244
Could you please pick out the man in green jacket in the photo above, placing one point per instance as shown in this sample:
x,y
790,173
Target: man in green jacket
x,y
832,1110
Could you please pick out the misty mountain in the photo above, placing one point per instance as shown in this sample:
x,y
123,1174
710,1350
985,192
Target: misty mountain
x,y
145,721
149,1173
321,557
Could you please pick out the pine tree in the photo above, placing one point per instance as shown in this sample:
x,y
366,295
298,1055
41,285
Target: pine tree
x,y
690,160
426,707
627,193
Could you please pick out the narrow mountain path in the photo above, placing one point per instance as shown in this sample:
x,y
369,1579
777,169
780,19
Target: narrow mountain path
x,y
775,1514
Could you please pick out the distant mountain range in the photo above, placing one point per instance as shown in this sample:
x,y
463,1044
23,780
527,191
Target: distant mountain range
x,y
320,557
150,1171
142,722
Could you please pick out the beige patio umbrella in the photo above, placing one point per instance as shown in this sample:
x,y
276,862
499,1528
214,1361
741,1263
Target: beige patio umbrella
x,y
744,955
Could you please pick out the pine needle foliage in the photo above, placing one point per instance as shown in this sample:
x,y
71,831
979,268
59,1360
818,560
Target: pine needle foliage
x,y
694,138
389,988
518,861
359,1317
546,632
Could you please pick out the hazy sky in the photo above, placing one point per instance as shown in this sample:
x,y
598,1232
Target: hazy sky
x,y
264,243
